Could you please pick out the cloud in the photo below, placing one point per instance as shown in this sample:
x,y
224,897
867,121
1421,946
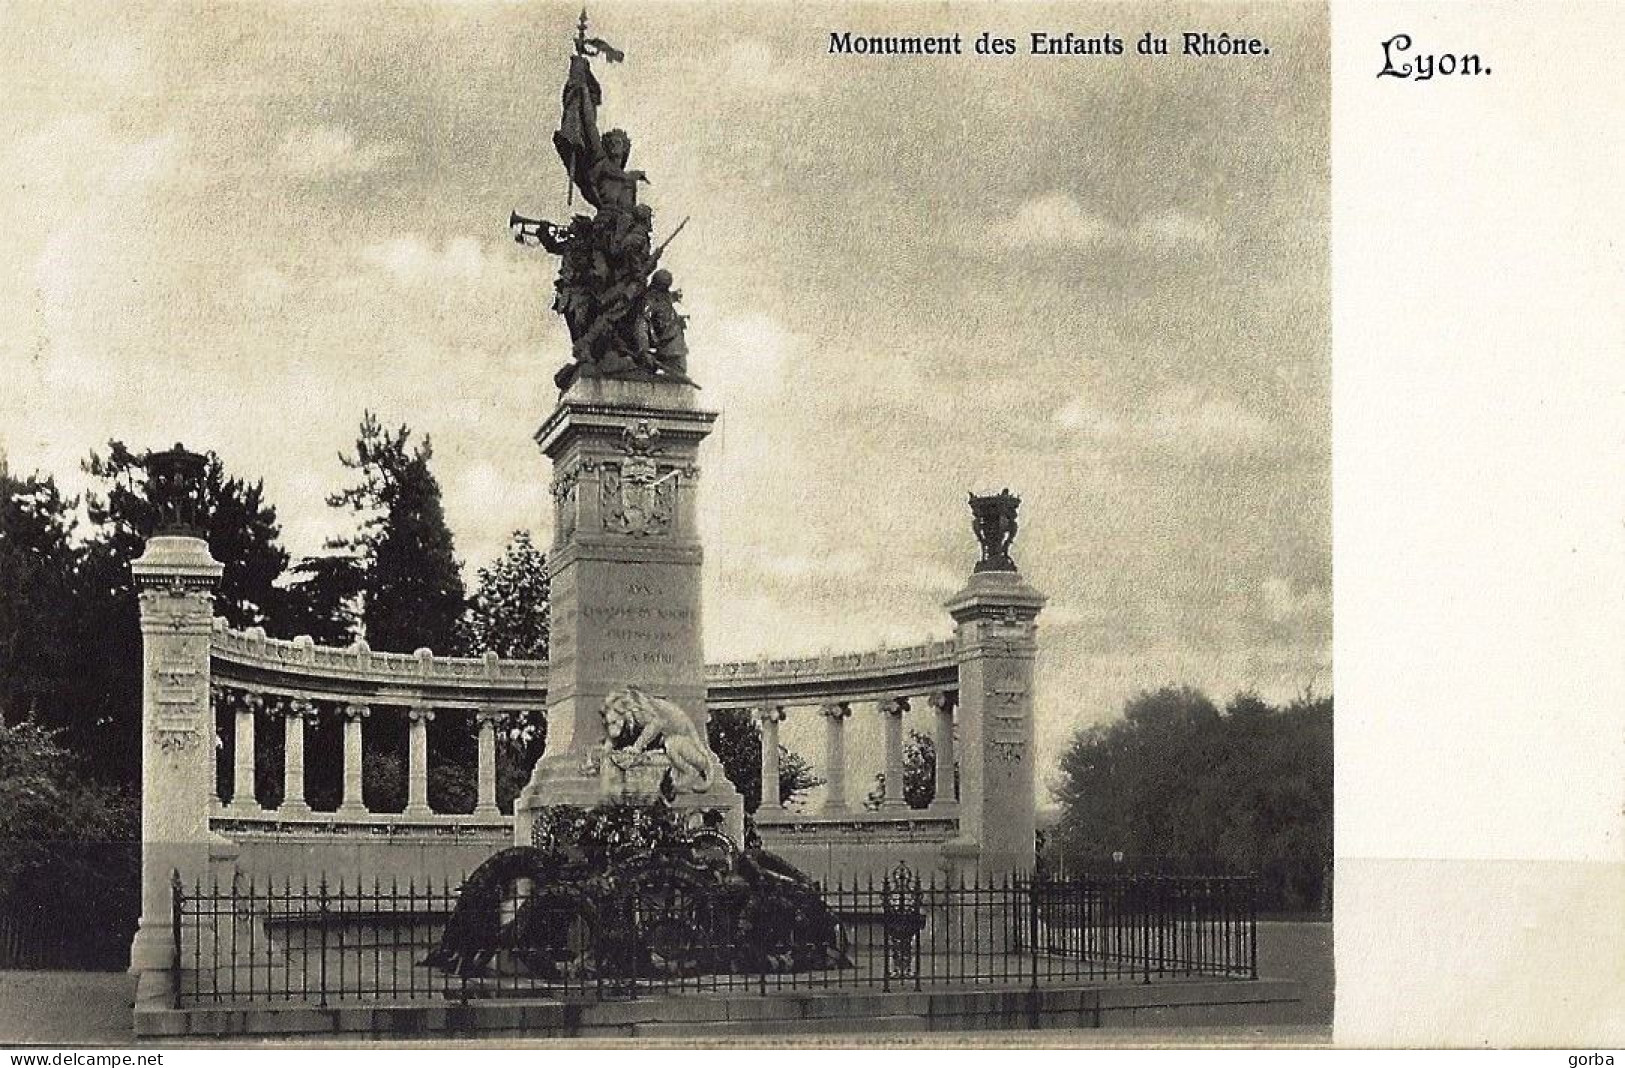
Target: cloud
x,y
740,357
753,66
317,151
413,260
1285,603
1059,220
1174,232
1176,420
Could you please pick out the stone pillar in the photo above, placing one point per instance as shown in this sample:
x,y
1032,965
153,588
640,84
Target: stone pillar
x,y
945,799
893,712
247,708
624,582
175,578
418,718
770,718
353,805
487,787
997,644
296,712
835,716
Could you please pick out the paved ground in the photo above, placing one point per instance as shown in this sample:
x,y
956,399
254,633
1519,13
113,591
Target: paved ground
x,y
93,1008
60,1008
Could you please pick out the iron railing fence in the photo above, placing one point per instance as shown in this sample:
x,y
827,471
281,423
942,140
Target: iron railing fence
x,y
329,944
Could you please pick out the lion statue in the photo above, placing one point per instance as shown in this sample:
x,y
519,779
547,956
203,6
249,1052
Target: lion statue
x,y
657,721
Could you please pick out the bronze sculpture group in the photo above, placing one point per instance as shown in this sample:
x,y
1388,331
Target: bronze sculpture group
x,y
617,301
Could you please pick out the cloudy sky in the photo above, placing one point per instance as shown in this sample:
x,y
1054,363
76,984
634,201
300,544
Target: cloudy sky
x,y
1100,282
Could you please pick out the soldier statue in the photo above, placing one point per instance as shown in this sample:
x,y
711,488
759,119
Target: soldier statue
x,y
619,309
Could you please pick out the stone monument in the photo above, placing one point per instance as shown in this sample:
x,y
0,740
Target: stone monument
x,y
996,616
175,577
626,672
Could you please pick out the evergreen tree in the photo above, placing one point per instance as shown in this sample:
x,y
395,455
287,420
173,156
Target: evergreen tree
x,y
39,570
241,528
103,694
322,599
412,588
509,611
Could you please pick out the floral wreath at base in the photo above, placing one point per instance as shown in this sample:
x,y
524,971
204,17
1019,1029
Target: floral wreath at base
x,y
625,892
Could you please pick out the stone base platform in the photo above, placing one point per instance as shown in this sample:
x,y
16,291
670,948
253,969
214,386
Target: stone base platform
x,y
1182,1003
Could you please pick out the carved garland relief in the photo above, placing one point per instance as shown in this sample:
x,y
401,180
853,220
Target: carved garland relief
x,y
1007,707
179,694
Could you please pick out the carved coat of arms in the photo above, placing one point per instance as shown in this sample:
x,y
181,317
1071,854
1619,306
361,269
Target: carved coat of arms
x,y
637,499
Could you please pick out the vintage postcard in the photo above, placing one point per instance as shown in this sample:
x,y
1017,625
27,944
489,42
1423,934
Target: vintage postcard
x,y
678,523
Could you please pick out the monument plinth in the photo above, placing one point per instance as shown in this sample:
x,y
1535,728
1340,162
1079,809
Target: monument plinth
x,y
625,589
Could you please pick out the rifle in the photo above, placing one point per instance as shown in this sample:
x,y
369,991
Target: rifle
x,y
656,257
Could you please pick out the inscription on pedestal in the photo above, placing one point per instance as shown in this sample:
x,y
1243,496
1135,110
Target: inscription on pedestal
x,y
641,627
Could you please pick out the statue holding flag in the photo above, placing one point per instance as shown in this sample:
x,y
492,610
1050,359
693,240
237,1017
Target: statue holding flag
x,y
621,324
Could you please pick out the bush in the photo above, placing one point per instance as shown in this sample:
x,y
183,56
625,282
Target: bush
x,y
70,859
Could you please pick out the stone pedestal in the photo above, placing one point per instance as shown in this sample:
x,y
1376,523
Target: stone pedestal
x,y
625,579
176,577
997,640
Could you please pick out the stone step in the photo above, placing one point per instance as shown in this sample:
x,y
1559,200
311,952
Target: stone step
x,y
865,1025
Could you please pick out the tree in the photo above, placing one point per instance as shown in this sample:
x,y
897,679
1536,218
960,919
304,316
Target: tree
x,y
39,567
919,775
322,599
412,589
69,848
508,614
241,528
737,742
103,696
1177,780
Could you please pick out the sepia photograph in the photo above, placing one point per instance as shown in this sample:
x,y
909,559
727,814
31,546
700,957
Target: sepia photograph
x,y
694,522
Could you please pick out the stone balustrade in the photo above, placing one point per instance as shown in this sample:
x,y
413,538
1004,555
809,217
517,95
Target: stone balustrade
x,y
303,669
264,684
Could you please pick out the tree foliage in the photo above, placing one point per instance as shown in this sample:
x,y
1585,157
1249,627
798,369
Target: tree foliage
x,y
240,526
39,575
412,589
508,614
83,594
1176,778
68,846
322,599
737,742
919,774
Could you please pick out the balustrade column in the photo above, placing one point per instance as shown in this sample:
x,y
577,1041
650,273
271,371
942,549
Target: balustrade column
x,y
293,756
417,759
946,796
487,788
835,716
242,755
770,718
893,711
352,804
